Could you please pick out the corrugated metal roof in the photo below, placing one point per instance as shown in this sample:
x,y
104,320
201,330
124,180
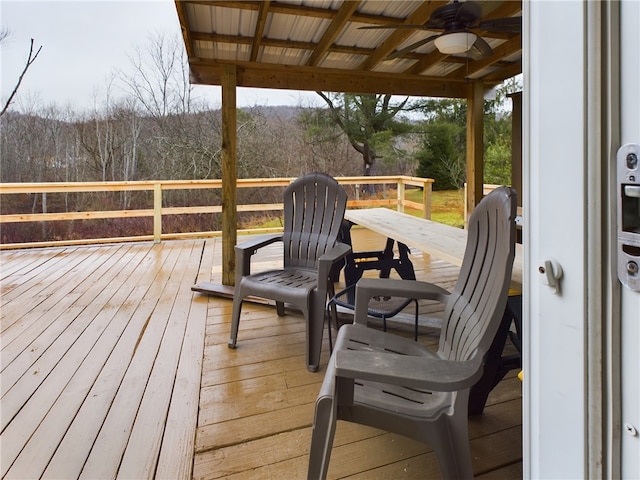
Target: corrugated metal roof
x,y
320,41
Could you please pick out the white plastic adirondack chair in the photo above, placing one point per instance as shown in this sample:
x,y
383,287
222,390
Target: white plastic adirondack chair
x,y
314,207
390,382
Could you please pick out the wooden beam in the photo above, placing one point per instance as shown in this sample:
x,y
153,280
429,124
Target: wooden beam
x,y
259,30
418,17
229,175
289,77
503,73
181,10
337,24
475,145
507,48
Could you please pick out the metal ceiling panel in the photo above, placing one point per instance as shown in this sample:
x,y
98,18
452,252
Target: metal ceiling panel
x,y
397,65
199,17
284,56
342,61
353,37
398,10
319,42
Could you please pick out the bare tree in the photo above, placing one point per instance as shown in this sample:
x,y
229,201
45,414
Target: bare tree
x,y
159,77
4,34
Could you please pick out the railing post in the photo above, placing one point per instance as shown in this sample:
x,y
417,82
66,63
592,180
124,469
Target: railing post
x,y
426,200
400,195
157,212
44,210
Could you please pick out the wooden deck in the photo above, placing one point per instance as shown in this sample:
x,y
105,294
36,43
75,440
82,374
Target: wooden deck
x,y
112,367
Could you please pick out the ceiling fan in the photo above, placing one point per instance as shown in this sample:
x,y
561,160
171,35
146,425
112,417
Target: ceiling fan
x,y
457,20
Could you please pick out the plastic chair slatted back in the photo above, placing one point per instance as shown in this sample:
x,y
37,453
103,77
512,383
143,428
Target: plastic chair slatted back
x,y
465,319
312,219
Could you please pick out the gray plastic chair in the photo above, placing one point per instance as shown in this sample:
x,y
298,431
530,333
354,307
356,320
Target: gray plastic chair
x,y
314,207
395,384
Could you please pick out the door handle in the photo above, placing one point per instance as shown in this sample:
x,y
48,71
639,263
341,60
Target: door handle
x,y
551,270
632,191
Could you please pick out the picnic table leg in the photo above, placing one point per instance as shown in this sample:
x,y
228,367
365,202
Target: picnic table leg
x,y
497,366
404,266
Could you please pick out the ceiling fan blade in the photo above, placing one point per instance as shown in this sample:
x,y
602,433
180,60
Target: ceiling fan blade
x,y
482,46
473,54
507,25
411,47
400,25
468,12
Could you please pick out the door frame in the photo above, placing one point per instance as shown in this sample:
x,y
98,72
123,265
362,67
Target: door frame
x,y
564,357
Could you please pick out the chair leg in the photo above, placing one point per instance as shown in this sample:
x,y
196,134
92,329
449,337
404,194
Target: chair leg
x,y
415,335
324,427
455,465
315,330
453,449
235,321
328,320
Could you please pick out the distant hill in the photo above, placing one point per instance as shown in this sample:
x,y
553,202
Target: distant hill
x,y
282,112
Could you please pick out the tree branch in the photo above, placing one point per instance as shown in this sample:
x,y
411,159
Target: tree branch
x,y
30,60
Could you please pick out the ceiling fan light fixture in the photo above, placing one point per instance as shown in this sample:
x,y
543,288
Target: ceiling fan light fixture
x,y
457,42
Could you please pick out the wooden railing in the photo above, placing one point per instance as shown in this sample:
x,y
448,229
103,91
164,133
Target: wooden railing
x,y
399,183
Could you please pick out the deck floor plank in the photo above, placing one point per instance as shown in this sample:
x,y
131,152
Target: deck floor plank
x,y
140,458
16,262
37,288
38,276
87,345
114,437
51,420
76,445
63,353
44,324
178,443
115,368
257,401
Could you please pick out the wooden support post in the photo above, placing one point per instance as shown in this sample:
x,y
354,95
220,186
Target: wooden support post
x,y
475,146
229,175
516,144
400,207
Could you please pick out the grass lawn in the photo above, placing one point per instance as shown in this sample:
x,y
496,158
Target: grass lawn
x,y
447,206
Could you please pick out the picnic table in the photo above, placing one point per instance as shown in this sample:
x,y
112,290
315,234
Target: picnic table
x,y
442,241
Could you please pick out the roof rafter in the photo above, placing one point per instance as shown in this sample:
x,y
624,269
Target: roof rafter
x,y
337,24
257,36
271,42
419,16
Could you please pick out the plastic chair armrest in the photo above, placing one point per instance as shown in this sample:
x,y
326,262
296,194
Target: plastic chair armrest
x,y
259,241
245,250
329,258
428,373
368,288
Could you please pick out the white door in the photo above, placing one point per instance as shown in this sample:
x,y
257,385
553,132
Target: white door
x,y
630,300
554,188
581,361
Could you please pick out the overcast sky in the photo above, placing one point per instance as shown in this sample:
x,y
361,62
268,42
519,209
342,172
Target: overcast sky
x,y
85,41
